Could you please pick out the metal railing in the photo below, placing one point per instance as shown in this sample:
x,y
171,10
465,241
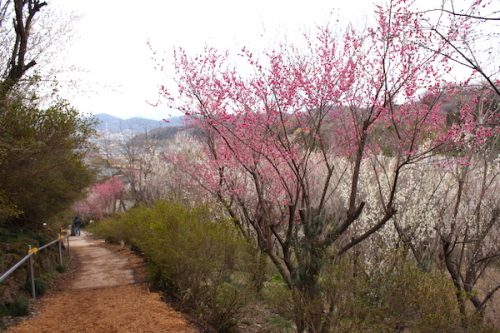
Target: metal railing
x,y
33,251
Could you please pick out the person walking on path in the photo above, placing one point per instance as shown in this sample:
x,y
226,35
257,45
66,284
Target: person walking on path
x,y
77,224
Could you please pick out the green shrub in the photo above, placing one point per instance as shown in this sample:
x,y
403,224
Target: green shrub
x,y
19,307
40,286
389,299
3,310
195,255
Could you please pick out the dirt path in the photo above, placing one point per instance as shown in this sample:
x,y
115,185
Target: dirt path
x,y
106,296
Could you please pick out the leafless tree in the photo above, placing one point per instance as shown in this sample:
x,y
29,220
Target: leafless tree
x,y
31,33
17,40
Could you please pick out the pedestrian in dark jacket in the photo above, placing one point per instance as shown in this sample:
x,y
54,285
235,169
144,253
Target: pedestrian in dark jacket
x,y
77,224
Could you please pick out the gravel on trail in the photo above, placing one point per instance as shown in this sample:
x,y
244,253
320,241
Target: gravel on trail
x,y
107,295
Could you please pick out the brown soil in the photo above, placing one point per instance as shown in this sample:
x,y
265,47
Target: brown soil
x,y
106,295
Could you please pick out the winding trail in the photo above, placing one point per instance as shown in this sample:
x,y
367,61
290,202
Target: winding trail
x,y
107,294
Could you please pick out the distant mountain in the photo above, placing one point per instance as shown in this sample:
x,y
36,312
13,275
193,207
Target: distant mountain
x,y
135,125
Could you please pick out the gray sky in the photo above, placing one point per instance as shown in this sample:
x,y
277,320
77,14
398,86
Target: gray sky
x,y
110,48
111,51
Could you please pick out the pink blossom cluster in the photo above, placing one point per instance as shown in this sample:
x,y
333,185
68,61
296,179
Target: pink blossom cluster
x,y
101,199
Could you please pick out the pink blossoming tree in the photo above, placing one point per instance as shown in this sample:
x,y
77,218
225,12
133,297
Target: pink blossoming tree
x,y
291,146
101,199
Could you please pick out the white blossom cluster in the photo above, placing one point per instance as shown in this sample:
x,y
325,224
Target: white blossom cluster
x,y
427,201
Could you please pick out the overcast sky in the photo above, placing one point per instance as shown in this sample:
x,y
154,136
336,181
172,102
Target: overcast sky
x,y
110,46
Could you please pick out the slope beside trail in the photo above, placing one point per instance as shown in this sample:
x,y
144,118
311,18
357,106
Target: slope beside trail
x,y
107,295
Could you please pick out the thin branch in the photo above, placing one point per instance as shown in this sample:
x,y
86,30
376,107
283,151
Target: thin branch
x,y
462,14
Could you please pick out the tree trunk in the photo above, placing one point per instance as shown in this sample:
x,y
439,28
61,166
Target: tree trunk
x,y
455,276
308,299
259,274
